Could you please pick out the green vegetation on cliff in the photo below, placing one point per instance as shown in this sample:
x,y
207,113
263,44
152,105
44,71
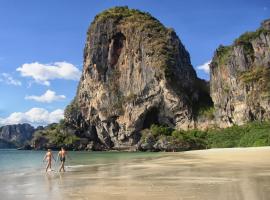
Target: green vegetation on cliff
x,y
157,37
223,54
260,74
249,36
123,12
207,112
255,74
55,136
250,135
160,130
134,18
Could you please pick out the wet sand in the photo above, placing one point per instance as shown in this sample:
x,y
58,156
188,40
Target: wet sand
x,y
216,174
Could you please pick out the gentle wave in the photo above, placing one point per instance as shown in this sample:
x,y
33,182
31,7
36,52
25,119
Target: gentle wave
x,y
78,166
84,166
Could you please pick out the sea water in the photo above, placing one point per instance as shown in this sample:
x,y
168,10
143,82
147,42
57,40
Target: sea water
x,y
23,176
19,161
237,174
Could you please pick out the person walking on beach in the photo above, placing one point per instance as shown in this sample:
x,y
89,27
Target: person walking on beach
x,y
48,156
62,155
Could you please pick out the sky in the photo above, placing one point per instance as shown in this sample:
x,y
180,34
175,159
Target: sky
x,y
41,45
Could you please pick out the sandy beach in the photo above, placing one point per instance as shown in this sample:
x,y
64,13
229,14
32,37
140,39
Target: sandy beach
x,y
215,174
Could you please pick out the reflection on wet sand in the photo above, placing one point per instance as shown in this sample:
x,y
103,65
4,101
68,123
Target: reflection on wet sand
x,y
218,174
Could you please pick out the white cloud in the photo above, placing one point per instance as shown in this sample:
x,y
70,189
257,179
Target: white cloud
x,y
204,67
48,97
34,116
43,73
8,79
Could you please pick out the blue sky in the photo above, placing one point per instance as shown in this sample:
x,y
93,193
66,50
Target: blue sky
x,y
51,34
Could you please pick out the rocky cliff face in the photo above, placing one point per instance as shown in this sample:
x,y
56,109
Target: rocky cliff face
x,y
240,78
15,135
136,73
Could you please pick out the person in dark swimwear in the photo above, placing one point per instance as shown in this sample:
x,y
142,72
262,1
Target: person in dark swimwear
x,y
62,156
48,157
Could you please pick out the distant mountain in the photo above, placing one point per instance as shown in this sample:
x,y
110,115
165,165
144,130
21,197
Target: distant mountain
x,y
17,135
6,145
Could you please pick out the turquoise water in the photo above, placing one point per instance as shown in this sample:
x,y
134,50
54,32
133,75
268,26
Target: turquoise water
x,y
201,175
23,176
19,161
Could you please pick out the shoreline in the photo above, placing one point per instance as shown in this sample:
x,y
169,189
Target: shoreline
x,y
132,150
230,149
220,173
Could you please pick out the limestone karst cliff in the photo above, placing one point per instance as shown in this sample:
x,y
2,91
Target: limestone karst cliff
x,y
240,79
139,91
136,72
